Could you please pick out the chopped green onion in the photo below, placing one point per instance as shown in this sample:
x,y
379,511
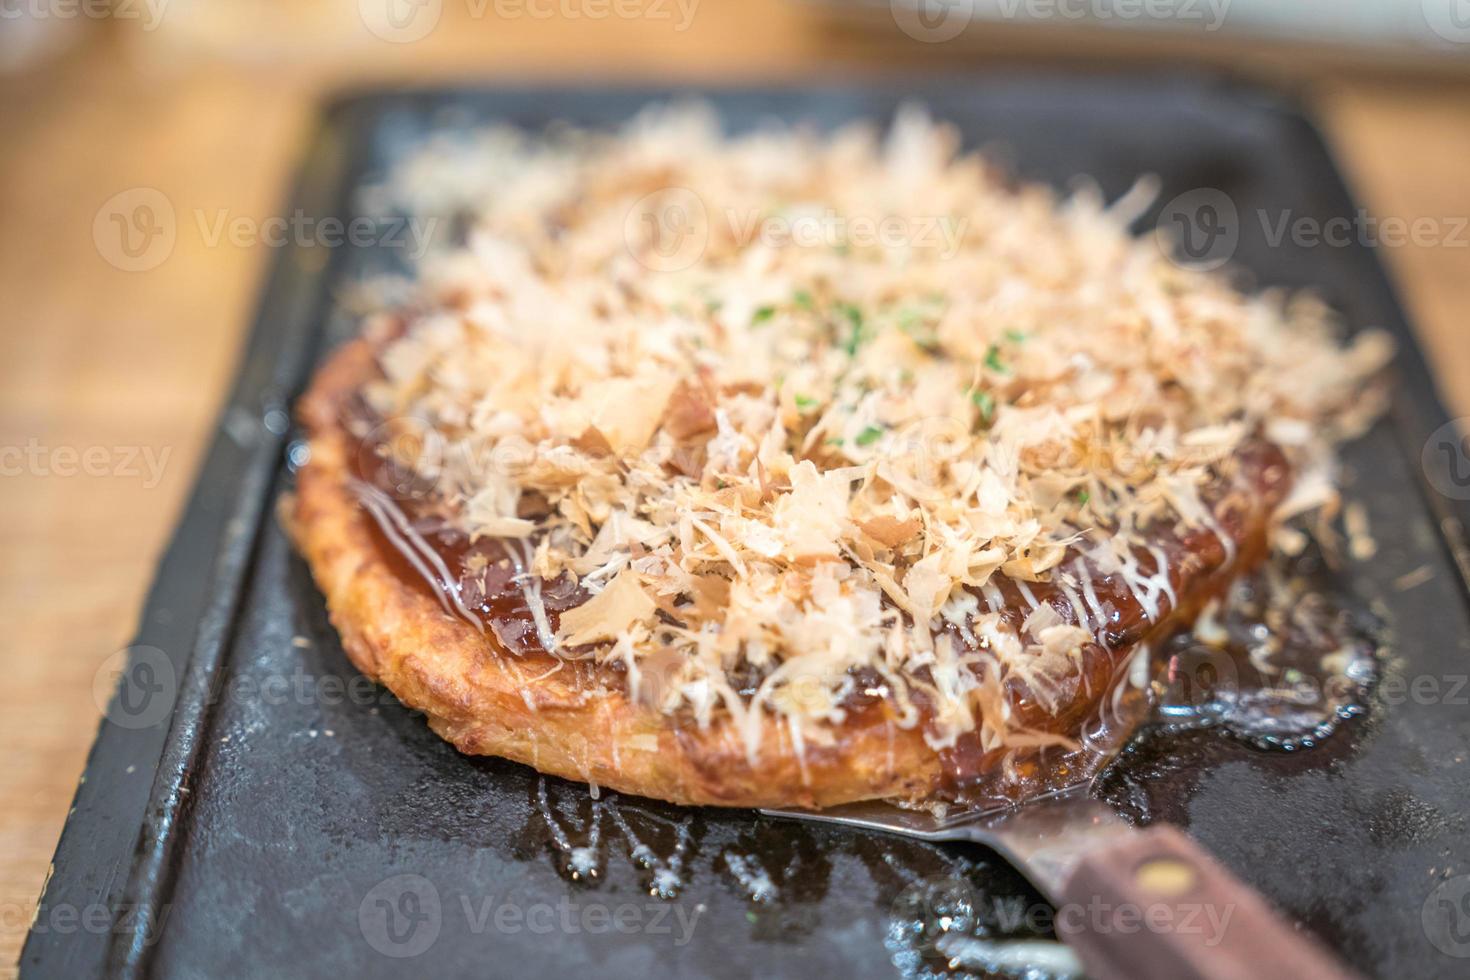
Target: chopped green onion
x,y
993,361
869,435
913,324
761,315
802,299
1016,336
855,334
984,401
1083,497
805,402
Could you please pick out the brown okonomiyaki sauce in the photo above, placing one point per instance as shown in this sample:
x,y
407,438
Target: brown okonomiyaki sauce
x,y
1275,657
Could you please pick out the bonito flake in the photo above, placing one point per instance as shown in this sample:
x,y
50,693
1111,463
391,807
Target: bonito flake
x,y
785,402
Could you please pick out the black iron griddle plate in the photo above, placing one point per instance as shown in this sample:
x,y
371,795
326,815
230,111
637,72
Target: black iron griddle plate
x,y
284,819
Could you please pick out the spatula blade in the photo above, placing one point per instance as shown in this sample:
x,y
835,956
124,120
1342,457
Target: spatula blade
x,y
1044,839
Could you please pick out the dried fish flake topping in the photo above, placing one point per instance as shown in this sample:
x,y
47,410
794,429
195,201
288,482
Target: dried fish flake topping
x,y
784,452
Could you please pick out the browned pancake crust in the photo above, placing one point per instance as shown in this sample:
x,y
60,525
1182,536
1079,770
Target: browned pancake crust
x,y
577,722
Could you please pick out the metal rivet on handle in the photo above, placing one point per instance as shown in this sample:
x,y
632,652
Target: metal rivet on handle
x,y
1165,876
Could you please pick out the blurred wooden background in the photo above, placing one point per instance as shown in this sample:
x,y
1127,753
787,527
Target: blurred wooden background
x,y
211,104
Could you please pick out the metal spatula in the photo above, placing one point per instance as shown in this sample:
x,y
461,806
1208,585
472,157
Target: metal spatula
x,y
1133,904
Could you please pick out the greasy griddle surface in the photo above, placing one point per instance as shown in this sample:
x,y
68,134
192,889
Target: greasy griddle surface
x,y
312,797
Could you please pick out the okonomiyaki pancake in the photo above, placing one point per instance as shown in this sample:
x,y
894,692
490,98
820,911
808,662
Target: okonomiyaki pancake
x,y
799,469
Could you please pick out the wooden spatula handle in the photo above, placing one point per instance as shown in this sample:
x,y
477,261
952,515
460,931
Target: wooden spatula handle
x,y
1155,906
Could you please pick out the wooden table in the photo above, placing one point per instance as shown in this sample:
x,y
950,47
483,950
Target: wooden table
x,y
213,115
